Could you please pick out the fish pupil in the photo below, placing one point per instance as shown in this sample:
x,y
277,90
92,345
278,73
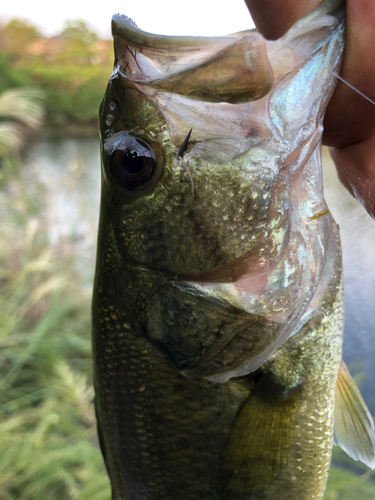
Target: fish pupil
x,y
133,162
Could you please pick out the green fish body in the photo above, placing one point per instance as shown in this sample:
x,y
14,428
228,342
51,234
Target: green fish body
x,y
218,301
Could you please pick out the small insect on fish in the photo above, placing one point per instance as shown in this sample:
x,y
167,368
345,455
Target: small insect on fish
x,y
218,317
183,148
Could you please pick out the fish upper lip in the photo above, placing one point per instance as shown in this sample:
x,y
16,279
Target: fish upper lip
x,y
179,65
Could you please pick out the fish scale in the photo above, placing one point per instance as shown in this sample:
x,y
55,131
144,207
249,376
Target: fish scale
x,y
217,305
157,402
150,414
147,231
310,358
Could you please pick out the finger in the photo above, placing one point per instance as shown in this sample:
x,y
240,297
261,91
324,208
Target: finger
x,y
356,169
273,18
349,117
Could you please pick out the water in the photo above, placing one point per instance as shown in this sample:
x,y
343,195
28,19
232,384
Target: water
x,y
357,231
71,170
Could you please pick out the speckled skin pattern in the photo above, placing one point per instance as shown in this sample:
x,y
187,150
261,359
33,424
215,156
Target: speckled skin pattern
x,y
163,435
217,318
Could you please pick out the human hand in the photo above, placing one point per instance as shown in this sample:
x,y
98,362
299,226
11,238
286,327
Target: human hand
x,y
349,125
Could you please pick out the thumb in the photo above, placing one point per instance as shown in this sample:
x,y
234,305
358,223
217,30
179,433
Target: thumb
x,y
273,18
356,170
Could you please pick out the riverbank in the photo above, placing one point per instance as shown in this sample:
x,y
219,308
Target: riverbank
x,y
76,130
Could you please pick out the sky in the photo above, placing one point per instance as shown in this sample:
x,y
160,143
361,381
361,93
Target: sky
x,y
168,17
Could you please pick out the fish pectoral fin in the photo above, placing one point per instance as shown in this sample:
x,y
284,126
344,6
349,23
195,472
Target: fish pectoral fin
x,y
258,450
354,426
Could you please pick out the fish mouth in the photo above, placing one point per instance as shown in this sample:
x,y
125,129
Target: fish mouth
x,y
193,66
217,86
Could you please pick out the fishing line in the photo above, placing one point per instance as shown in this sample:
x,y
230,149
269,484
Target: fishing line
x,y
352,87
310,56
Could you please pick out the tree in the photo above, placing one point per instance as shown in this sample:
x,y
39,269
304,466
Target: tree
x,y
18,35
78,41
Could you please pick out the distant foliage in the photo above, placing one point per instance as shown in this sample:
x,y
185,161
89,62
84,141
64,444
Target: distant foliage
x,y
78,42
18,35
72,69
18,107
348,479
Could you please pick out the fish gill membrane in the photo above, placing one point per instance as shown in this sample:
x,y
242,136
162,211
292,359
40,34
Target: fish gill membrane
x,y
218,299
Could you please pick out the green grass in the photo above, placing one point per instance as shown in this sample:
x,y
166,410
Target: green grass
x,y
48,437
344,483
47,425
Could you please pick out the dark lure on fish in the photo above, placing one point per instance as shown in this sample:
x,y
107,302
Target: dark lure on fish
x,y
218,301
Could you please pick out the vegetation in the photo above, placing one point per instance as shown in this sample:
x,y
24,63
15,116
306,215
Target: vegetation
x,y
47,421
48,437
48,442
18,107
71,69
348,479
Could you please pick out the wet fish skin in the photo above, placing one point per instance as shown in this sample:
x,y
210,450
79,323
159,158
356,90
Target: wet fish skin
x,y
164,434
217,319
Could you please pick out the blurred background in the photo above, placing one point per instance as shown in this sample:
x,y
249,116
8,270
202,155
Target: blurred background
x,y
53,74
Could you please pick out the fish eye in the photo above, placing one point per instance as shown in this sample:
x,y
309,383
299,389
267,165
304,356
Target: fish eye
x,y
133,162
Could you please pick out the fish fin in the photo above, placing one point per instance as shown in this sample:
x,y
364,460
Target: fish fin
x,y
354,426
265,422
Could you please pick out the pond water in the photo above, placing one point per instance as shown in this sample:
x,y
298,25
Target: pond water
x,y
70,169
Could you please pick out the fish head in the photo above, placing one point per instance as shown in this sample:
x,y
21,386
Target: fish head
x,y
196,229
179,215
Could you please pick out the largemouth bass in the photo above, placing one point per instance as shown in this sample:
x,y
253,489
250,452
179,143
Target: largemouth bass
x,y
218,300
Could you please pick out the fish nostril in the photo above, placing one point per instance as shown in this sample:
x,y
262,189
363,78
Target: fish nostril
x,y
109,120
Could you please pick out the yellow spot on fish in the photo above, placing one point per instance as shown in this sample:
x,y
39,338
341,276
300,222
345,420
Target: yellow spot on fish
x,y
318,214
